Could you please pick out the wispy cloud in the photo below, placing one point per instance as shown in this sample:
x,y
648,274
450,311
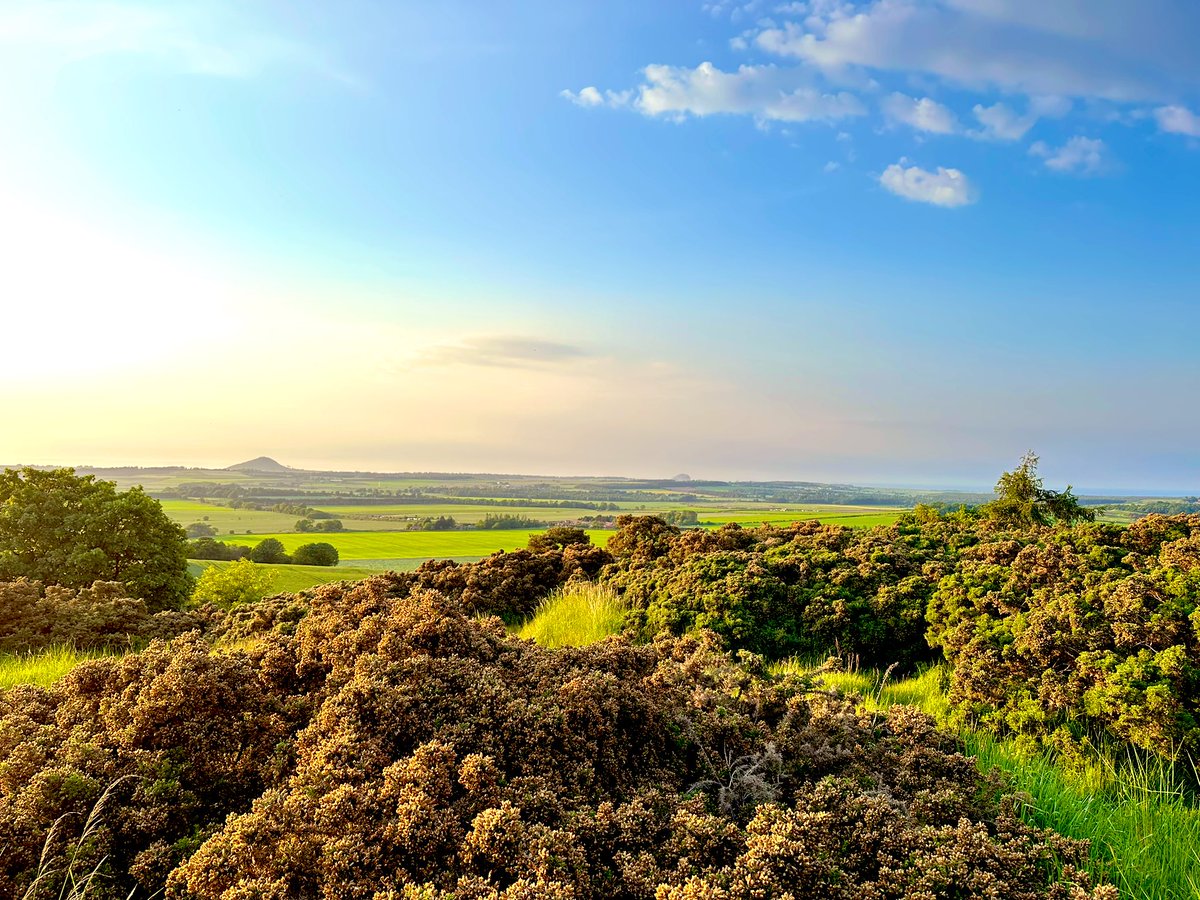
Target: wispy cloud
x,y
214,40
944,187
1078,156
505,351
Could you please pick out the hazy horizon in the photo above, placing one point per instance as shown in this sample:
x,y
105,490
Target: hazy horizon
x,y
982,486
893,241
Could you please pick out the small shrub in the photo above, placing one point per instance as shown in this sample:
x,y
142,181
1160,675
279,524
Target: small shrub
x,y
238,583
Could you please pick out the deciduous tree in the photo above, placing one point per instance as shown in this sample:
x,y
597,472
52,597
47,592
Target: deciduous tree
x,y
61,528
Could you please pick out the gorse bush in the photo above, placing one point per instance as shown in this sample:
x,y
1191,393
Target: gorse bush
x,y
1063,635
34,616
396,746
1066,635
804,588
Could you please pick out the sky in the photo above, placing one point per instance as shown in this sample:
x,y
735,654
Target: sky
x,y
889,241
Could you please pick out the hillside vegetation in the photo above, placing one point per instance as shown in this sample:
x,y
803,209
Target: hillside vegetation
x,y
401,737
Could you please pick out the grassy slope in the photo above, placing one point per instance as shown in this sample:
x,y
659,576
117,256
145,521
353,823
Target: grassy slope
x,y
1144,828
575,617
43,668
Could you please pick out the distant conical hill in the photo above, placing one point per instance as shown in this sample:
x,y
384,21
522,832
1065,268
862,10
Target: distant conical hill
x,y
259,464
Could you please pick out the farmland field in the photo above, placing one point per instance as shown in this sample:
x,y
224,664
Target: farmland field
x,y
251,521
391,546
858,518
392,516
466,513
226,520
391,549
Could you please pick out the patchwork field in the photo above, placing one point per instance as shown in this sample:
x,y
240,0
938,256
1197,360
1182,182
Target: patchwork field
x,y
226,520
392,517
853,517
390,547
357,516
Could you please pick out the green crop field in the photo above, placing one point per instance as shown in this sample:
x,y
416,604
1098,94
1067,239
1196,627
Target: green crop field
x,y
393,546
295,578
401,549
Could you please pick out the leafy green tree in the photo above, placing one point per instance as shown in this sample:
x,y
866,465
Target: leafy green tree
x,y
320,554
239,582
61,528
1021,499
200,530
304,525
269,550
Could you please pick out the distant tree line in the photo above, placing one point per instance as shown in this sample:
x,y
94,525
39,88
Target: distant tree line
x,y
327,525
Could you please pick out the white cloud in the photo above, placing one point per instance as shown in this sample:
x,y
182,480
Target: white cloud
x,y
945,187
1177,120
1001,123
832,166
1078,156
1105,49
765,92
589,96
925,114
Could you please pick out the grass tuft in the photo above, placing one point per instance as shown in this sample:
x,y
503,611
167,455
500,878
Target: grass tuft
x,y
43,667
575,616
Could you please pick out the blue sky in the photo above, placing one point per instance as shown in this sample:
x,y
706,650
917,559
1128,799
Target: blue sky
x,y
889,241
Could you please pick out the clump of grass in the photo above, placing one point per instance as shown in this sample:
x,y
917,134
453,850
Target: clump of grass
x,y
1139,814
42,667
1141,819
575,616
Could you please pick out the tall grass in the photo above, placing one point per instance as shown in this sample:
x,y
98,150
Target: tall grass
x,y
1140,816
575,616
43,667
74,883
